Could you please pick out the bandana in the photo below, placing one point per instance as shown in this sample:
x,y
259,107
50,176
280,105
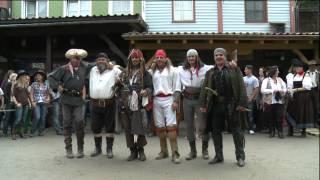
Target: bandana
x,y
160,53
136,53
220,50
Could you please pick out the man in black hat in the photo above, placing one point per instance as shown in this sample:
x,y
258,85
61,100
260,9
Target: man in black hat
x,y
103,79
70,80
223,96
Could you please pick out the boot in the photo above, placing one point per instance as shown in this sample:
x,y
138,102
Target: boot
x,y
80,142
69,153
303,133
272,133
217,141
13,134
68,144
216,160
290,131
133,154
80,153
280,134
142,156
109,147
205,154
97,151
163,146
174,147
193,152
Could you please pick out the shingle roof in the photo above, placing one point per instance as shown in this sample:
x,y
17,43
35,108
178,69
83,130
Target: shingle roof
x,y
51,21
221,36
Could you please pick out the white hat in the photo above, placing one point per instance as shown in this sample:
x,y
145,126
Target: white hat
x,y
76,53
192,52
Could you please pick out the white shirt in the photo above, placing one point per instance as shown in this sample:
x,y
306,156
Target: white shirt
x,y
189,78
289,79
251,82
306,82
101,84
1,92
166,82
279,85
314,77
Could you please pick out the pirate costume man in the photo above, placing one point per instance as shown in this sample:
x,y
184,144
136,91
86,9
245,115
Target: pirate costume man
x,y
137,82
70,80
192,74
103,79
167,88
223,96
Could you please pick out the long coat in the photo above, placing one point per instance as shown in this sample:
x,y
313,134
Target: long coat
x,y
239,96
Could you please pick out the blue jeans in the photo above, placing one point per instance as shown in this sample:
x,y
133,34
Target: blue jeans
x,y
56,116
21,115
251,121
9,118
40,112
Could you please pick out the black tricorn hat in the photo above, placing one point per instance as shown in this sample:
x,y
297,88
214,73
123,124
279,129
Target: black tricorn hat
x,y
297,63
21,73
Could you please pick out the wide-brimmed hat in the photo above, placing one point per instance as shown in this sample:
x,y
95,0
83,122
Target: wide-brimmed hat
x,y
42,73
76,53
21,73
313,62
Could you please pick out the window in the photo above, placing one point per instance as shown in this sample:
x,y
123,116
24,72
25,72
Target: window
x,y
35,8
183,11
256,11
78,8
121,7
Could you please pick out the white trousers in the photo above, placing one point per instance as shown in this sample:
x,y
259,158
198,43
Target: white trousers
x,y
163,113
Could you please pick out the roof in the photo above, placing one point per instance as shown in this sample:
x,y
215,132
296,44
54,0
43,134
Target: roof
x,y
220,36
121,23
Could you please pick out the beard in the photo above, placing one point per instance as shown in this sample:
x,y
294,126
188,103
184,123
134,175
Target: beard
x,y
101,67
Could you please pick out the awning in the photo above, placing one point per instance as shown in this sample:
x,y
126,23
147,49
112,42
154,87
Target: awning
x,y
72,25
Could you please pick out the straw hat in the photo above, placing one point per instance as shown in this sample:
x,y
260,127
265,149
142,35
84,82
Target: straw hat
x,y
76,53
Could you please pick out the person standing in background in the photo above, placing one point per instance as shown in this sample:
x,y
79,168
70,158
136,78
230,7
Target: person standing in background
x,y
252,89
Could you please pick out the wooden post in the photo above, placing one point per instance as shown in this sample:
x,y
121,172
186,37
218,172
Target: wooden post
x,y
48,54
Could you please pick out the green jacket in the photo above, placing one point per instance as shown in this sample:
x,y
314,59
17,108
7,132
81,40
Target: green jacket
x,y
235,77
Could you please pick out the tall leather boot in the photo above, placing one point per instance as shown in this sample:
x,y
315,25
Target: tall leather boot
x,y
217,141
272,132
13,134
303,133
142,156
205,154
290,131
68,144
133,153
80,142
163,146
174,147
109,147
193,151
97,151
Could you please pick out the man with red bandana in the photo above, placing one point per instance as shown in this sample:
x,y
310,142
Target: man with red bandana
x,y
167,88
70,81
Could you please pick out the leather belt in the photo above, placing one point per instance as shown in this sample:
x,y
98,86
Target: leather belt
x,y
190,95
102,102
163,95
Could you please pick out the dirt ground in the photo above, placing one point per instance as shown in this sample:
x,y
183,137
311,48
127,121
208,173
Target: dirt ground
x,y
43,158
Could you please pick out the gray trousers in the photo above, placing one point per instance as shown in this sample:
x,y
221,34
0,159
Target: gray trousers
x,y
190,108
73,115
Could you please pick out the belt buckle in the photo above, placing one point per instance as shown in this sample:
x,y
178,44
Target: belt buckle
x,y
102,103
